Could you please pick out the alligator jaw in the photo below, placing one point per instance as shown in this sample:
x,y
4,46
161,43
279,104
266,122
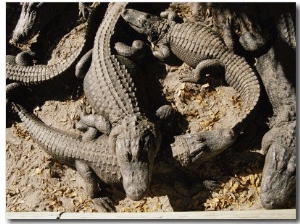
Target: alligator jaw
x,y
279,179
136,145
135,19
136,179
143,22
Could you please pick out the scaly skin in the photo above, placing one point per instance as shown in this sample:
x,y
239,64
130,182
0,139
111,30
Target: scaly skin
x,y
93,159
203,50
193,149
114,91
33,75
279,174
286,28
34,16
279,143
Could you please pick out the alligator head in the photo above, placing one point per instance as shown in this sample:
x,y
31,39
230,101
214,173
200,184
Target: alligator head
x,y
153,26
279,177
34,16
279,173
135,143
193,149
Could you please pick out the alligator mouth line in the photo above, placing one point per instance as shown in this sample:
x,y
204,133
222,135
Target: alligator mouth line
x,y
133,25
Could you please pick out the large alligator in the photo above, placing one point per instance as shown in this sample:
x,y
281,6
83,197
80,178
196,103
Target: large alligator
x,y
202,49
94,161
32,75
279,143
115,88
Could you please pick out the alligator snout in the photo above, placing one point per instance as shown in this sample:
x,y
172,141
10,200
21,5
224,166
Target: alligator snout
x,y
279,180
136,180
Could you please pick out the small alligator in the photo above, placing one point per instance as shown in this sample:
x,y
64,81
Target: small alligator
x,y
114,88
279,143
202,49
93,159
33,75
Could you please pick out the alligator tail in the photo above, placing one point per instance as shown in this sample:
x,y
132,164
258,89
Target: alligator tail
x,y
244,80
287,29
67,148
55,142
34,75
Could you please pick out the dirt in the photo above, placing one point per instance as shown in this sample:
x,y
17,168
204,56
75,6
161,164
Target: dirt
x,y
231,181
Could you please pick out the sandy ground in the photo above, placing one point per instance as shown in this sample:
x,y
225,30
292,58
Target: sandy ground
x,y
231,181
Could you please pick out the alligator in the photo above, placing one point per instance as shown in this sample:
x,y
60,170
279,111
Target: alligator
x,y
115,89
279,143
191,150
286,28
94,161
34,16
15,88
33,75
202,49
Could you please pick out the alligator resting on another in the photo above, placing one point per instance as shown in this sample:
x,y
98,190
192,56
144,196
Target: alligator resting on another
x,y
94,161
202,49
279,143
115,88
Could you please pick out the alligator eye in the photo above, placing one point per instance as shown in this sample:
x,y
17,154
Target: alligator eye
x,y
141,22
128,157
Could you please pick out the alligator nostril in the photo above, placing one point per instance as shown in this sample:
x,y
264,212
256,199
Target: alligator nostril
x,y
125,11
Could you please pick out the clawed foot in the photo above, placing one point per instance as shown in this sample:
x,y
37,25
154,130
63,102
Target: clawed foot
x,y
96,121
84,10
250,41
225,21
136,51
105,203
170,15
162,52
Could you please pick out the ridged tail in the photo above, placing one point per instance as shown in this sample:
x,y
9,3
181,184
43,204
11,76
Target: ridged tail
x,y
109,85
54,141
33,75
287,29
243,79
64,145
67,148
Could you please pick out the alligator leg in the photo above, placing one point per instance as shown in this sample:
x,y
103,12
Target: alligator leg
x,y
170,15
162,52
208,66
92,186
166,114
83,64
92,124
225,21
136,51
249,41
83,9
